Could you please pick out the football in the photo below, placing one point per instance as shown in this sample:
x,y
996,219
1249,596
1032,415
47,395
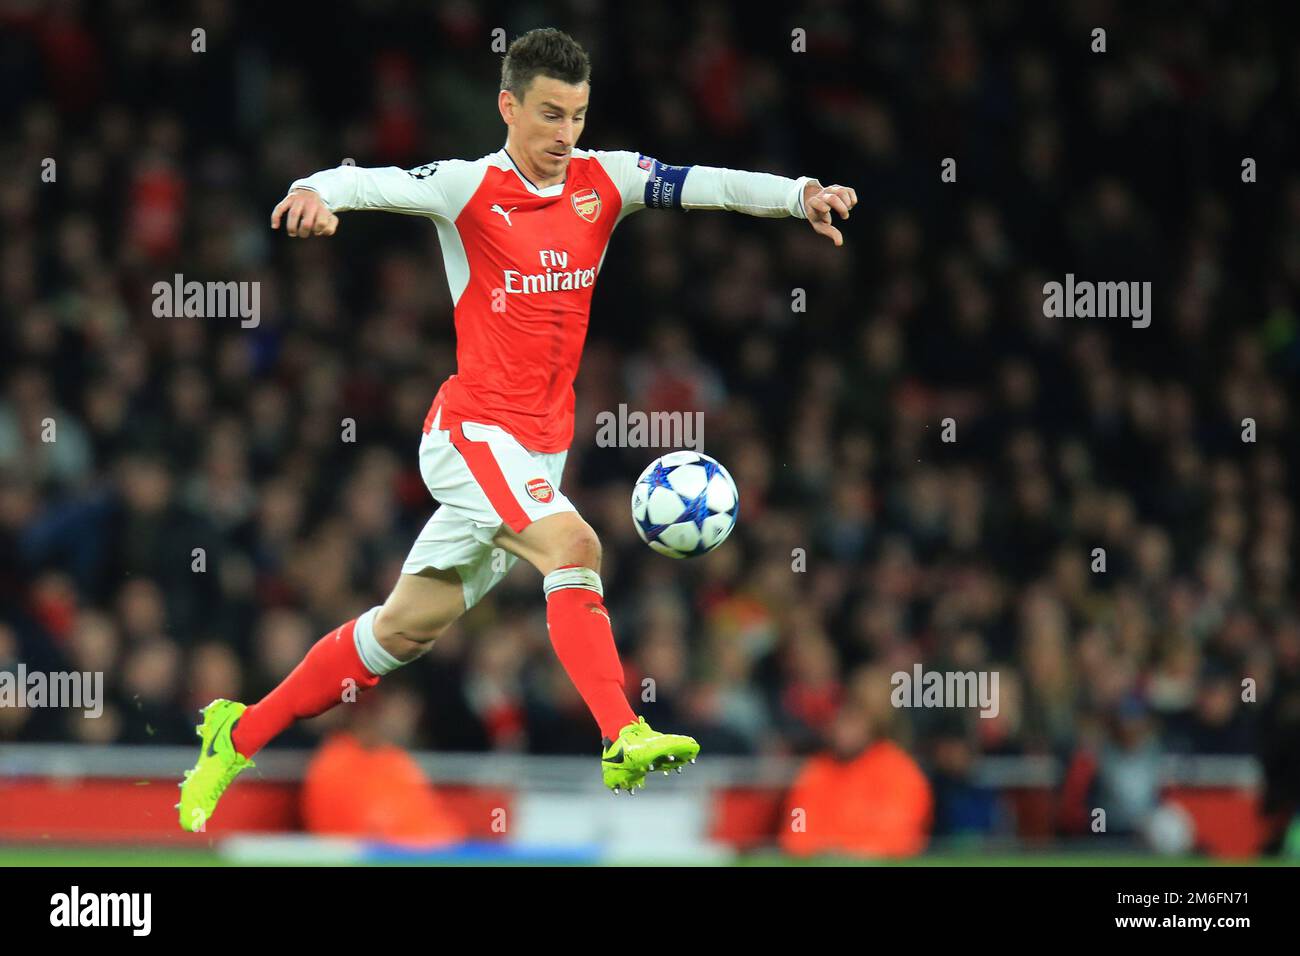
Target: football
x,y
684,504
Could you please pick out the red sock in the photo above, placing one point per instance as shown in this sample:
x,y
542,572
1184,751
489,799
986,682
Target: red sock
x,y
314,686
584,642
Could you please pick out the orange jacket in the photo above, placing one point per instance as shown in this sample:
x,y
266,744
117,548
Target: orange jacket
x,y
378,793
877,804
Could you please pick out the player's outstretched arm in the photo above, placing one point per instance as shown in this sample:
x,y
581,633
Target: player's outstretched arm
x,y
312,205
645,182
763,194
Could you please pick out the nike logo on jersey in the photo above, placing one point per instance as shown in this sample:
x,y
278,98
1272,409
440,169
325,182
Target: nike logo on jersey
x,y
505,213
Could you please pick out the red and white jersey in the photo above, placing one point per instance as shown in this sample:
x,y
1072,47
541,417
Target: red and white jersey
x,y
522,263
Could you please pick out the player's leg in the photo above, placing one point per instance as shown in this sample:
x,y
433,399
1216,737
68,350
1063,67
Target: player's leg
x,y
531,519
350,658
355,655
564,548
430,594
422,606
523,511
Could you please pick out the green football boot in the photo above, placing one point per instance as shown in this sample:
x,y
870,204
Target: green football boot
x,y
219,764
639,750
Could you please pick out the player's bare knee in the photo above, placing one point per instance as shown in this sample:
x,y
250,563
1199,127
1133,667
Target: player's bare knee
x,y
580,547
395,623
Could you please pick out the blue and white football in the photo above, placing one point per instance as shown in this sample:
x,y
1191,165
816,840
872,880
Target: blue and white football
x,y
685,504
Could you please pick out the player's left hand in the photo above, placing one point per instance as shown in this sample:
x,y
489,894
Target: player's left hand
x,y
822,202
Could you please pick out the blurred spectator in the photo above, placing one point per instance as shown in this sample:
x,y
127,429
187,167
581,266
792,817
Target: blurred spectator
x,y
363,783
1280,741
865,796
962,807
1217,723
1113,783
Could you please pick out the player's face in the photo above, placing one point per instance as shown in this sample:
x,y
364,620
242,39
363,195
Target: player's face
x,y
545,126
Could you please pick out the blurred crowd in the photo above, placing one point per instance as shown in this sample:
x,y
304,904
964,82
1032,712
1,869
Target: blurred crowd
x,y
200,519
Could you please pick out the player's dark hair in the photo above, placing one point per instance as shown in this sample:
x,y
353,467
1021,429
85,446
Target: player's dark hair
x,y
543,52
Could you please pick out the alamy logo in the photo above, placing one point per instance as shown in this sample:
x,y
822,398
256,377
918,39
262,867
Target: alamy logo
x,y
134,910
946,689
1099,300
624,429
73,690
504,213
208,300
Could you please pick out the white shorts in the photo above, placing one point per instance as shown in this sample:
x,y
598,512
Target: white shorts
x,y
482,479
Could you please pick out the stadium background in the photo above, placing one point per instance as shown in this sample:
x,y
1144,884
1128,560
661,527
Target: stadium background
x,y
1119,689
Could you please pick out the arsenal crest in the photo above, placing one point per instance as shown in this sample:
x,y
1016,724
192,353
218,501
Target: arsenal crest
x,y
539,488
586,203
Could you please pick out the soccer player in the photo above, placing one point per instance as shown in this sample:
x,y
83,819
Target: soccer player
x,y
523,234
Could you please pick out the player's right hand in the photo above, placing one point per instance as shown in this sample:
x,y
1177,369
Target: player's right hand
x,y
304,215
